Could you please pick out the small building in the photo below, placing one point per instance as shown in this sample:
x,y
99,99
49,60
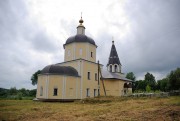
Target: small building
x,y
77,77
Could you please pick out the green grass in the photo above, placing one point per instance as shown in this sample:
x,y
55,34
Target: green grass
x,y
98,109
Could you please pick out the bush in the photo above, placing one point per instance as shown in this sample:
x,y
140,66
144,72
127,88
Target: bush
x,y
19,96
148,88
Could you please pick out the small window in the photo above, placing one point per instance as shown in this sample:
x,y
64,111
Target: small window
x,y
55,91
115,69
80,51
110,68
87,92
89,75
91,54
96,76
41,91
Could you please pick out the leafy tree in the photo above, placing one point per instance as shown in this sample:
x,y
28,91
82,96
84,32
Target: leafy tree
x,y
150,79
140,85
171,82
34,77
3,92
158,84
32,93
13,91
174,79
163,84
24,92
132,77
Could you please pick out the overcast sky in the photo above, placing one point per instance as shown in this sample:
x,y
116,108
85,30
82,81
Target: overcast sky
x,y
32,34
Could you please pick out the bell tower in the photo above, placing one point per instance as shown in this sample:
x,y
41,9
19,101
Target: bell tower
x,y
114,64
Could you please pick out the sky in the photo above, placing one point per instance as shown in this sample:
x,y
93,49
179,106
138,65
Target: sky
x,y
32,34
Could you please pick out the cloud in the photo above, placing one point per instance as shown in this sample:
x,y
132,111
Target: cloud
x,y
23,44
148,39
146,35
154,36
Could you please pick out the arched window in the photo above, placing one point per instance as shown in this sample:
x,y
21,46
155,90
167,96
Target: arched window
x,y
41,91
130,85
91,54
110,68
115,69
125,85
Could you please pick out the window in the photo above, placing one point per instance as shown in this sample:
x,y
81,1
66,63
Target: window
x,y
110,68
55,91
80,51
115,69
87,92
89,75
96,76
95,93
41,91
91,54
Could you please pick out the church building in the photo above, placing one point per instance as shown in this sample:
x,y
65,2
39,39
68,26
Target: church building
x,y
80,75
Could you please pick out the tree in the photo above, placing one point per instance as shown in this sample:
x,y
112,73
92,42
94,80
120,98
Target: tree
x,y
174,79
132,77
140,85
163,84
13,91
150,79
24,92
3,92
34,77
32,93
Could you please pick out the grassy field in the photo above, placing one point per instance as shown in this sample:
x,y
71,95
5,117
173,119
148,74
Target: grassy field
x,y
110,109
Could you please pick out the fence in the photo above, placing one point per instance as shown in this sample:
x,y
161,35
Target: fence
x,y
160,94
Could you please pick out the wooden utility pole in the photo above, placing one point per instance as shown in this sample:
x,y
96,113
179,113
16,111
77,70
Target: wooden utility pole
x,y
98,81
99,71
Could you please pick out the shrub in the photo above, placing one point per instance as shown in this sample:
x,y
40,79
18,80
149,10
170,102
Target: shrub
x,y
148,88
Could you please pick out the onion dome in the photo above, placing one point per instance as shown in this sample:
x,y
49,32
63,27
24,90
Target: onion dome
x,y
81,21
80,38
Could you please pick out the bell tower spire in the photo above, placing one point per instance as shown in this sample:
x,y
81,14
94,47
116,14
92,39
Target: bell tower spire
x,y
114,64
81,28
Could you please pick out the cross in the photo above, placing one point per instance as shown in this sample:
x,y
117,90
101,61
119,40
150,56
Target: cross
x,y
112,40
